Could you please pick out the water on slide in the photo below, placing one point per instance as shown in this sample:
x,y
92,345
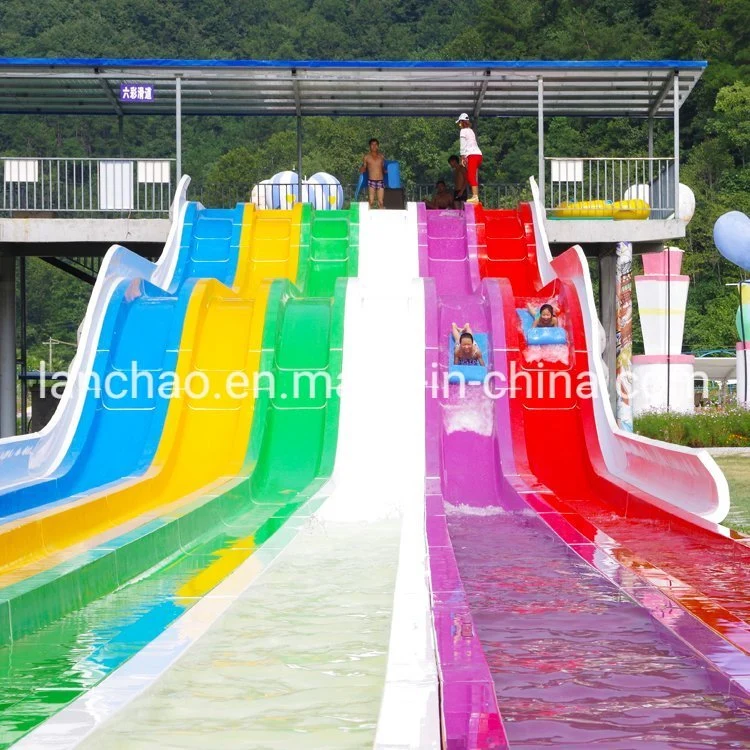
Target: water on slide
x,y
573,661
263,677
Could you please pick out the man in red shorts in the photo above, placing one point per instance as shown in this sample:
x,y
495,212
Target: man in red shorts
x,y
471,155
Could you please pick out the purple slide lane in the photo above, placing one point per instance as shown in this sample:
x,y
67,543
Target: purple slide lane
x,y
470,716
525,626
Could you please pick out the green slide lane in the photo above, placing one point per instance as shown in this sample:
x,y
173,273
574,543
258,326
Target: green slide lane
x,y
124,596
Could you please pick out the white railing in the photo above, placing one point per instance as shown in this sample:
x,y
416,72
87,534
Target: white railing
x,y
611,179
86,187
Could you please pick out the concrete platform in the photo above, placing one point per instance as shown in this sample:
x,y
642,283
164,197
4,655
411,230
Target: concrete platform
x,y
597,236
80,237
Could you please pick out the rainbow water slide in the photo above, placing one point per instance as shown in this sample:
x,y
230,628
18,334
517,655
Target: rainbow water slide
x,y
578,596
293,645
455,583
111,565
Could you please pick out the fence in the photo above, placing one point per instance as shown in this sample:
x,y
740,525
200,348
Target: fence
x,y
574,180
86,187
493,195
106,187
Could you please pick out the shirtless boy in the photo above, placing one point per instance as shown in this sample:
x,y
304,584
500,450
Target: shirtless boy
x,y
460,185
442,198
373,163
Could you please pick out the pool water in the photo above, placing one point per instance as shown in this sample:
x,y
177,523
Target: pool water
x,y
575,662
298,661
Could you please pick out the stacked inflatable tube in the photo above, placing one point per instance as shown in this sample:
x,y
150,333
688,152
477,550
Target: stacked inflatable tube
x,y
634,208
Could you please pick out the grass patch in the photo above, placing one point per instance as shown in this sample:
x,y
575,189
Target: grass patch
x,y
737,471
712,428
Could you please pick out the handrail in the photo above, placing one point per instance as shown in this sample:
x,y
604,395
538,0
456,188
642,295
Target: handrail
x,y
61,186
610,179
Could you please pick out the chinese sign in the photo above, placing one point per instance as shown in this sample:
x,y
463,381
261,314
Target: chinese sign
x,y
136,92
624,340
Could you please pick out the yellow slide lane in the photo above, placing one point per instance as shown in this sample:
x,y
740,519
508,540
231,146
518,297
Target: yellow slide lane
x,y
205,438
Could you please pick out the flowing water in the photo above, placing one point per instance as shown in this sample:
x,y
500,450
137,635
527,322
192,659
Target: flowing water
x,y
298,661
574,661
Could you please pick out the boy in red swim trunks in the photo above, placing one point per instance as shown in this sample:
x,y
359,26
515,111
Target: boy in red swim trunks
x,y
373,162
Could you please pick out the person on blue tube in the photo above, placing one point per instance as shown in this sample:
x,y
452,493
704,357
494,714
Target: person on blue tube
x,y
543,318
467,352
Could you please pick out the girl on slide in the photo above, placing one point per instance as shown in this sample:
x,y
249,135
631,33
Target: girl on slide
x,y
544,317
466,351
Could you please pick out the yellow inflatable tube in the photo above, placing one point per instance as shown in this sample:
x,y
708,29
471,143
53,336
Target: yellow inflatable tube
x,y
619,210
631,209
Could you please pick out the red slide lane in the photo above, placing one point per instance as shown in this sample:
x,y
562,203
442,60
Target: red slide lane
x,y
707,571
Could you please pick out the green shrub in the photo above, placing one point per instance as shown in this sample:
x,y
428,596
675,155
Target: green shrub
x,y
709,428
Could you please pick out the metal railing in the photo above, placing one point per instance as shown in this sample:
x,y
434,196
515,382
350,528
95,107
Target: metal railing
x,y
610,179
86,187
493,195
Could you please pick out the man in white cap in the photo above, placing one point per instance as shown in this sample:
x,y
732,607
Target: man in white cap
x,y
471,155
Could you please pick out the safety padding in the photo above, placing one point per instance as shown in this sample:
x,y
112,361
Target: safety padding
x,y
556,335
468,373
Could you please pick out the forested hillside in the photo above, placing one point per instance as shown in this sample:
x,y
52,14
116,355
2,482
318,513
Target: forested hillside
x,y
221,154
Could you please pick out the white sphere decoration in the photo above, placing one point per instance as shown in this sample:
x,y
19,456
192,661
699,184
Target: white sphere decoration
x,y
325,191
638,192
285,191
261,195
686,198
687,204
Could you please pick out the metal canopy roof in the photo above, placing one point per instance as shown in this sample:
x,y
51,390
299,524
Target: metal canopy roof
x,y
607,88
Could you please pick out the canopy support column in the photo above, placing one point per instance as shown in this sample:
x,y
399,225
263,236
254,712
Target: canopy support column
x,y
676,90
540,137
649,197
650,137
7,345
299,156
178,126
298,113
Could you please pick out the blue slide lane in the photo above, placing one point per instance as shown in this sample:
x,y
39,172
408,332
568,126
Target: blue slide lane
x,y
116,438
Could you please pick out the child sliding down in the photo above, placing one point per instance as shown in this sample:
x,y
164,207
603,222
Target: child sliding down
x,y
466,351
544,317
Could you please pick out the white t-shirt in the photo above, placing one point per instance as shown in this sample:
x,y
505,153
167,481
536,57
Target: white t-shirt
x,y
469,145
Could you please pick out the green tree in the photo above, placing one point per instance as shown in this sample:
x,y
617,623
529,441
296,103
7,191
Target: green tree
x,y
732,120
